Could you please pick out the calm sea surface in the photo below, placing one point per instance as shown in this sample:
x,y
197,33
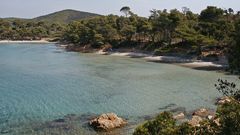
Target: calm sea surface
x,y
40,83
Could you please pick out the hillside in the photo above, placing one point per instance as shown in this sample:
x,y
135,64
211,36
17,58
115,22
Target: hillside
x,y
65,16
15,18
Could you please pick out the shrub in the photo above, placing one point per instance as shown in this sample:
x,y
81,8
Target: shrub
x,y
163,124
228,89
229,114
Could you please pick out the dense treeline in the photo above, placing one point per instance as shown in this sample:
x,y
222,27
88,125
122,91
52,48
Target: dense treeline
x,y
214,26
234,50
28,30
210,33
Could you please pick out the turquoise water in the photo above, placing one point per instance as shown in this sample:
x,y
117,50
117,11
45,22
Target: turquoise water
x,y
40,82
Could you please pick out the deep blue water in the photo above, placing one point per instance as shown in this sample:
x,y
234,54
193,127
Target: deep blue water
x,y
40,82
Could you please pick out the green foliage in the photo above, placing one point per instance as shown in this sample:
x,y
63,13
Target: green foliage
x,y
51,25
211,13
226,121
234,50
162,51
162,124
98,40
164,31
125,10
28,30
228,89
128,31
229,114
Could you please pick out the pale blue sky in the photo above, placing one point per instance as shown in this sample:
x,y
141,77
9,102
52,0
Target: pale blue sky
x,y
33,8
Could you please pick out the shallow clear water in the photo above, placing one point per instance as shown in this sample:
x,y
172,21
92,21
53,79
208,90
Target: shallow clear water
x,y
40,82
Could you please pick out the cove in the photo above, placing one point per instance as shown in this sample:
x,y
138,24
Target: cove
x,y
40,82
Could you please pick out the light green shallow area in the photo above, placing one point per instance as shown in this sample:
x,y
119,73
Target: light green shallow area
x,y
40,82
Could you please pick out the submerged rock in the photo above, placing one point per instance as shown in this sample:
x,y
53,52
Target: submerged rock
x,y
59,120
178,110
107,122
5,131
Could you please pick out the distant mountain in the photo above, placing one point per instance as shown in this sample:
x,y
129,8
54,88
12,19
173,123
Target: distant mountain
x,y
65,16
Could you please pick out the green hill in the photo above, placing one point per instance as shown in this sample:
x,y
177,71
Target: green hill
x,y
65,16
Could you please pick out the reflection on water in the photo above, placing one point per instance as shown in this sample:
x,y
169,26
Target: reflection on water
x,y
40,84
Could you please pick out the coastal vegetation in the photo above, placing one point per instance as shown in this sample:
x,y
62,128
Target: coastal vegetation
x,y
28,30
206,36
47,26
225,122
212,33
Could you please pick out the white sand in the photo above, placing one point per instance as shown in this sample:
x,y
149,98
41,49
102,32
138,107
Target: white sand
x,y
168,59
101,52
202,64
24,41
130,54
171,59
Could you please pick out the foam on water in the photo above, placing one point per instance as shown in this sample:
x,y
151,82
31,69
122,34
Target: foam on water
x,y
40,83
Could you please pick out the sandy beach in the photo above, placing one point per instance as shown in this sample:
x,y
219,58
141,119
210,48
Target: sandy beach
x,y
24,41
190,63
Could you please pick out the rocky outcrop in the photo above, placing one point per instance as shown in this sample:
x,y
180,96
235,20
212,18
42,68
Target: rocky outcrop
x,y
201,114
179,116
107,122
195,121
217,121
223,100
204,113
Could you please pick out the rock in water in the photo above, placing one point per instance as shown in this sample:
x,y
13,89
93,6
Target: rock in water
x,y
107,122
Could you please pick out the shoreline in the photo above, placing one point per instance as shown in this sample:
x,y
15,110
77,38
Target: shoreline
x,y
25,41
176,60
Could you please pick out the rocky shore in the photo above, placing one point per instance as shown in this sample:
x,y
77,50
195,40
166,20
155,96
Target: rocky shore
x,y
112,124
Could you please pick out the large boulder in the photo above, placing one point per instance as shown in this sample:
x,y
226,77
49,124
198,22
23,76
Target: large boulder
x,y
107,122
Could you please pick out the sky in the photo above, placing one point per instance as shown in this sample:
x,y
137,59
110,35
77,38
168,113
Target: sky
x,y
34,8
